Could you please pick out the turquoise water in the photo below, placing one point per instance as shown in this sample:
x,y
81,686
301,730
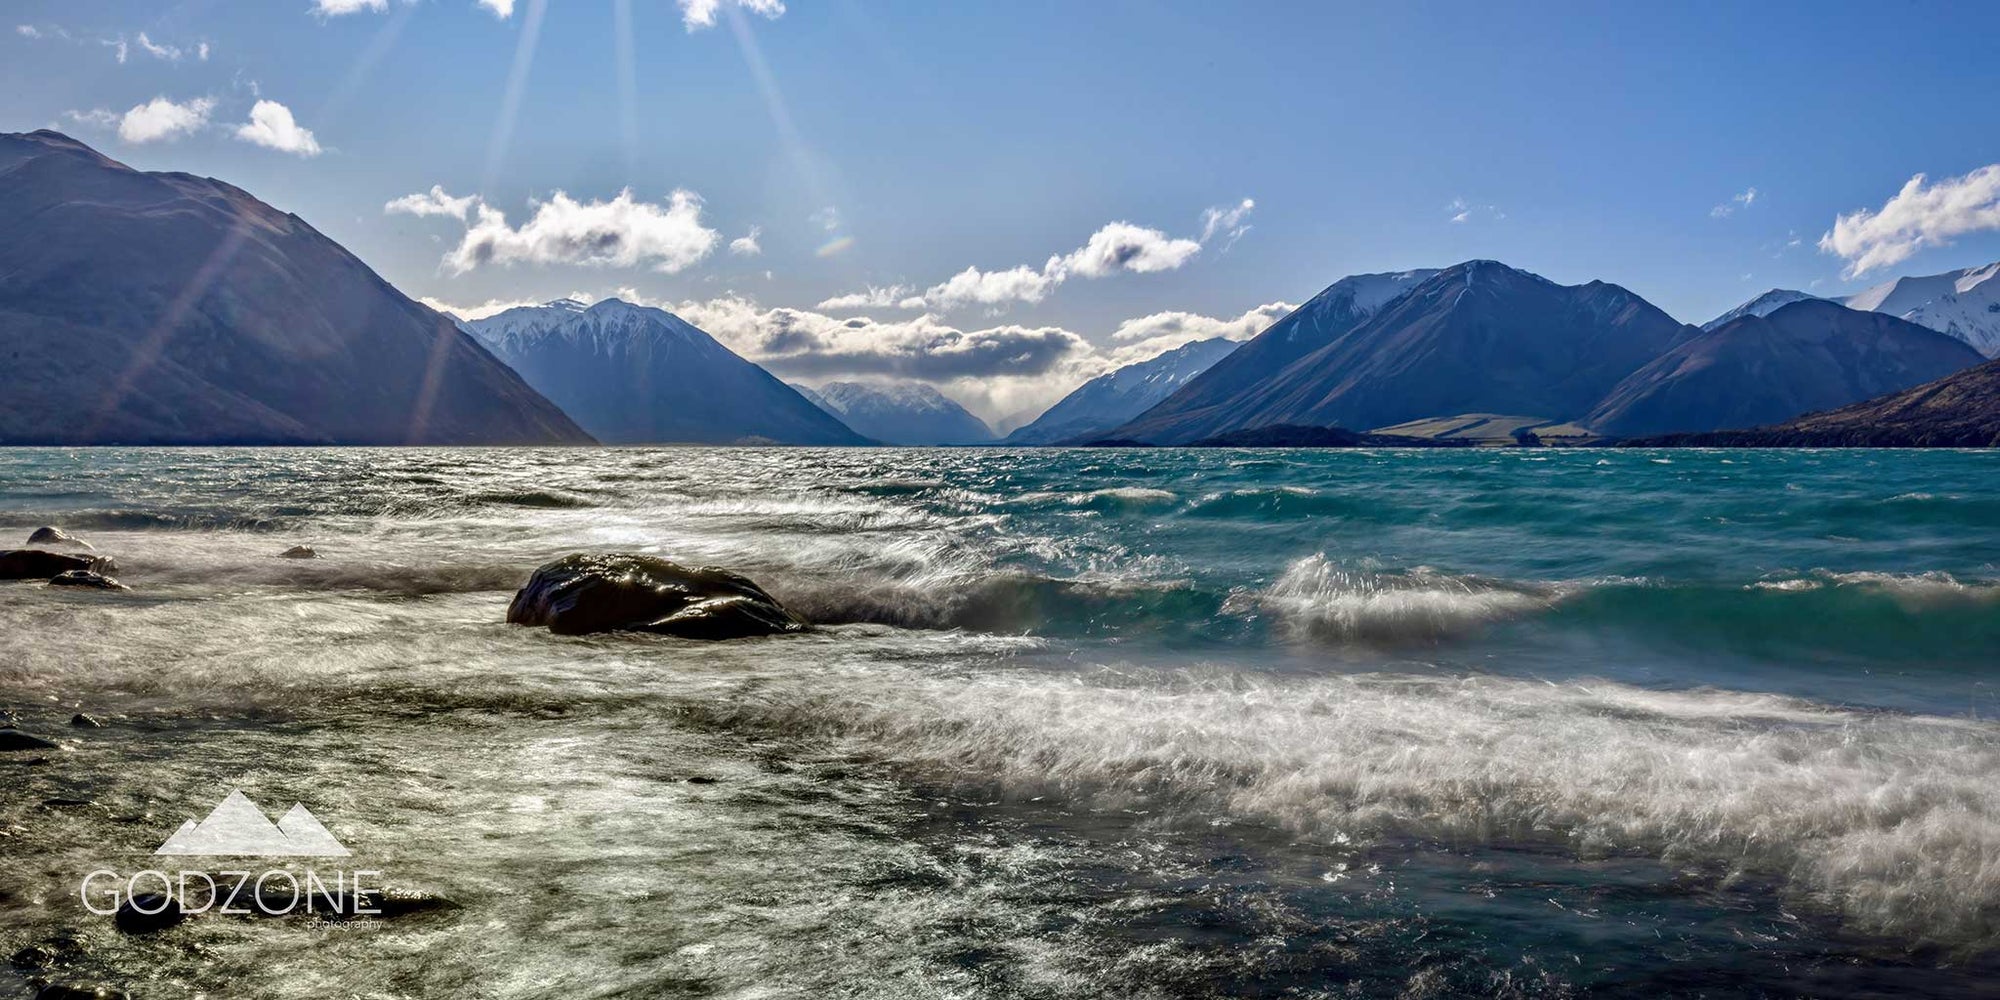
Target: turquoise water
x,y
1149,722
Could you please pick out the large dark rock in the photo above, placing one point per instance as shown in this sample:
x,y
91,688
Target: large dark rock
x,y
35,564
580,594
53,538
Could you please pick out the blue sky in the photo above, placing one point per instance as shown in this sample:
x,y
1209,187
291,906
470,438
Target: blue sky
x,y
894,145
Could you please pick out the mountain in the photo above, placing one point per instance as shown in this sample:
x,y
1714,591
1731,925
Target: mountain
x,y
902,413
164,308
1762,305
1963,303
638,375
1479,337
1117,396
1203,406
1961,410
1756,370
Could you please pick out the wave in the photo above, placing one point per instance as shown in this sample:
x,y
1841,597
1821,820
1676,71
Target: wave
x,y
1319,600
1889,822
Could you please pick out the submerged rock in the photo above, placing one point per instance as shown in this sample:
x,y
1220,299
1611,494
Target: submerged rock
x,y
83,721
14,739
85,578
148,912
299,552
65,991
580,594
35,564
52,537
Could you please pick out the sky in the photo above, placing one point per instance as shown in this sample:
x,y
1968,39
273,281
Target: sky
x,y
1006,198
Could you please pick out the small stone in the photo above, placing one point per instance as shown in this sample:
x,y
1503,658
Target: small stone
x,y
299,552
701,779
65,991
87,579
82,721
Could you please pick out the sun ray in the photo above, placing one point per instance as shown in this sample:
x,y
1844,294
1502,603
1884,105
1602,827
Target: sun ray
x,y
517,86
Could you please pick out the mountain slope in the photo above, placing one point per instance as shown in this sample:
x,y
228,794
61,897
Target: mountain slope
x,y
902,413
1961,410
1114,397
1762,305
163,308
1809,355
1964,304
638,375
1479,337
1203,407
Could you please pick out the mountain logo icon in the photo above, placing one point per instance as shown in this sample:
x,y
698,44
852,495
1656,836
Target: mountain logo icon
x,y
238,827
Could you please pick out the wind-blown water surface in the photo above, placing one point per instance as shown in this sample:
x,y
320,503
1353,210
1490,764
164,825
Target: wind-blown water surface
x,y
1131,723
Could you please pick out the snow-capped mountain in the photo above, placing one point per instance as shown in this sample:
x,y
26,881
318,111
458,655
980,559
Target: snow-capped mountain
x,y
639,375
1762,305
1117,396
904,413
1963,303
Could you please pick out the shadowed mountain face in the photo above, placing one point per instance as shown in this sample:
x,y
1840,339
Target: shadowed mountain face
x,y
1115,397
1207,405
151,308
638,375
1961,410
901,413
1477,337
1757,370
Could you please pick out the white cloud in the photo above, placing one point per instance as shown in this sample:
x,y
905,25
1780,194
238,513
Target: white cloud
x,y
491,307
271,125
201,51
622,232
436,201
975,287
1920,216
502,9
1149,336
162,119
1122,246
99,117
699,14
119,46
157,51
1728,208
1116,248
827,218
746,245
892,296
335,8
27,31
1226,223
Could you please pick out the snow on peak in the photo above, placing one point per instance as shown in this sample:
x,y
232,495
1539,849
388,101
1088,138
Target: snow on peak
x,y
1762,305
1964,304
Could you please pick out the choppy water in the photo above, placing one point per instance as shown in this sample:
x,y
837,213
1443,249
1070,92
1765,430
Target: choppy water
x,y
1129,723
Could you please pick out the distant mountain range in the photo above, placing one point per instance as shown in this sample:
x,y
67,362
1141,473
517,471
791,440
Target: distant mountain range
x,y
1755,370
1477,337
1117,396
639,375
1964,304
900,413
1961,410
164,308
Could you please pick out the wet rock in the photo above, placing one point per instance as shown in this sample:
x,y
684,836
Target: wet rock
x,y
148,912
87,579
14,739
701,779
51,537
58,950
581,594
82,721
299,552
35,564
